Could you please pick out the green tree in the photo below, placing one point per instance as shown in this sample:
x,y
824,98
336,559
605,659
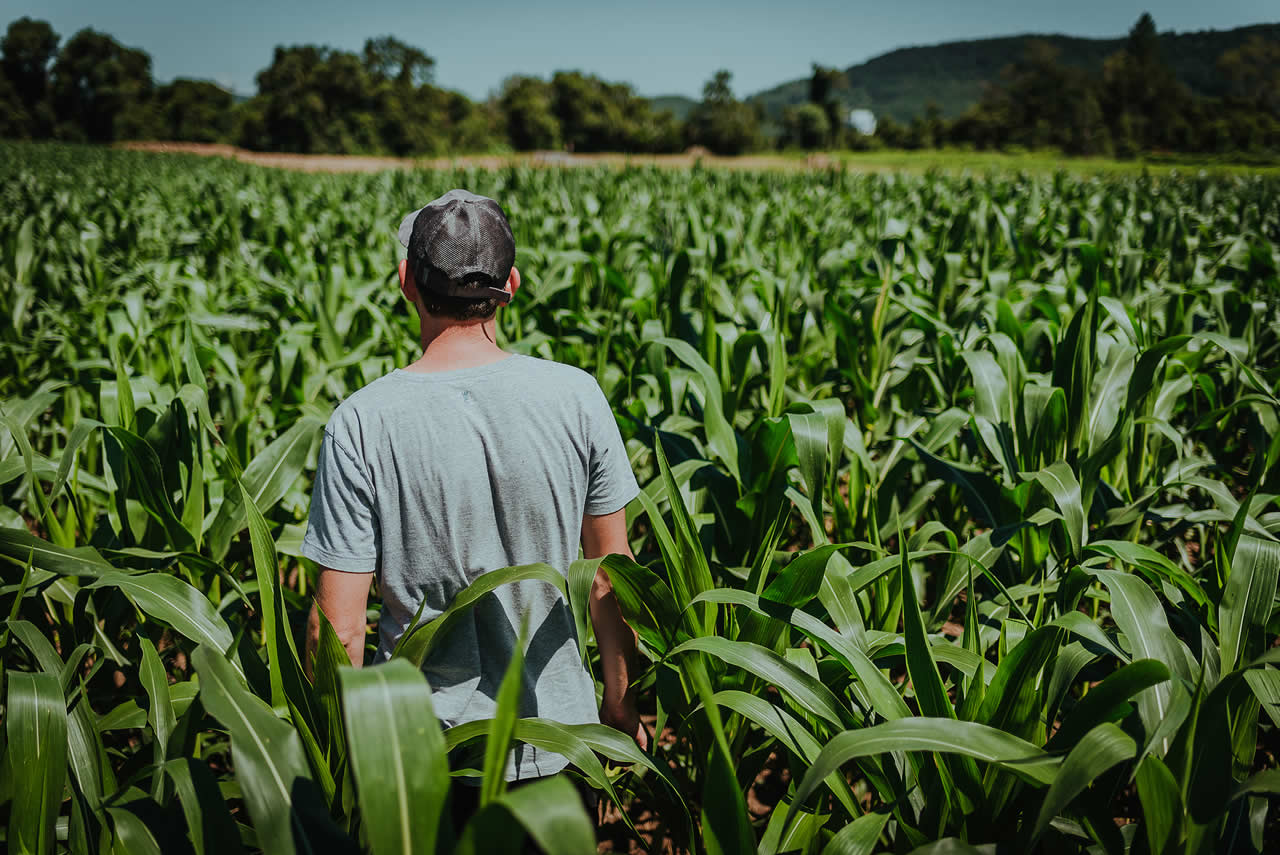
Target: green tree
x,y
194,111
596,115
28,47
891,133
805,126
389,58
412,116
826,86
1253,70
526,106
722,123
15,121
591,114
1143,100
1037,102
99,88
318,100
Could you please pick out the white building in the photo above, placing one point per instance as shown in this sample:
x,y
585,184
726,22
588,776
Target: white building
x,y
863,121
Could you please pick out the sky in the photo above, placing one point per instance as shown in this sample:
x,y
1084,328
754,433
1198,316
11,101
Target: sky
x,y
662,47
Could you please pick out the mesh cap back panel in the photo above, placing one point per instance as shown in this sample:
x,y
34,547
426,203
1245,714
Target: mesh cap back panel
x,y
461,245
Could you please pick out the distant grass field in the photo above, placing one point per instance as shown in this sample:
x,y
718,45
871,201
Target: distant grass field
x,y
948,161
952,160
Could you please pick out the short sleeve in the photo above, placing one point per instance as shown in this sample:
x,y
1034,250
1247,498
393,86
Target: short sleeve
x,y
342,528
610,482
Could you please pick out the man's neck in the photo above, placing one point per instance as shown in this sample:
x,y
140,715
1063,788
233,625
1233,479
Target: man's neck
x,y
451,346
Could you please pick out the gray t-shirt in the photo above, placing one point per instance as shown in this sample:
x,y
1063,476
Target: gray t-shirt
x,y
434,479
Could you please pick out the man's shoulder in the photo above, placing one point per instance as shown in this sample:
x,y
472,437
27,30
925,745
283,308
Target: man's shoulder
x,y
362,403
558,372
388,393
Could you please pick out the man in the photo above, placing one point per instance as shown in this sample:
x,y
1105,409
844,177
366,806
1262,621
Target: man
x,y
468,460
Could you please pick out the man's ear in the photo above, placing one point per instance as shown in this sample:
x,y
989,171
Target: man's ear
x,y
407,285
513,282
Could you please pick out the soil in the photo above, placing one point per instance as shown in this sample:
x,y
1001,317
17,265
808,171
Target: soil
x,y
362,163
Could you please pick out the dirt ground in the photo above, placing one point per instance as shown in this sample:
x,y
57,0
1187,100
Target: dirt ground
x,y
360,163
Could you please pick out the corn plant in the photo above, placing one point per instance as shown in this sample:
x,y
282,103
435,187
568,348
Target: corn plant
x,y
958,529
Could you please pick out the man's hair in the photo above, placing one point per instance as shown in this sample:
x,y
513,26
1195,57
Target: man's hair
x,y
456,308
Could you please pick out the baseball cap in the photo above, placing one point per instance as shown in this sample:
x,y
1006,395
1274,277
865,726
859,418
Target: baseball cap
x,y
460,245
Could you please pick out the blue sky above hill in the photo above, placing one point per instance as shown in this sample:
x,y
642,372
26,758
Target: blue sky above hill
x,y
660,47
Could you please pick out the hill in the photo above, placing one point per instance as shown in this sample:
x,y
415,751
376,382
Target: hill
x,y
902,82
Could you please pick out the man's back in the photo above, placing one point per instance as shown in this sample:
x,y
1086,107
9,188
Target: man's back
x,y
435,478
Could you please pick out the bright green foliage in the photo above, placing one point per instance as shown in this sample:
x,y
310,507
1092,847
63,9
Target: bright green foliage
x,y
958,527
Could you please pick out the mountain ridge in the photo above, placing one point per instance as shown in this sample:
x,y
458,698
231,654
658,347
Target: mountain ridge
x,y
903,81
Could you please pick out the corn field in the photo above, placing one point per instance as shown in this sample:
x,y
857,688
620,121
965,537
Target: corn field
x,y
958,530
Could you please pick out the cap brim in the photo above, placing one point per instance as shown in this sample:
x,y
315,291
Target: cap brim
x,y
406,227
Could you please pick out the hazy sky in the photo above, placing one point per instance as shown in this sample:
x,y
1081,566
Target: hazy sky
x,y
660,47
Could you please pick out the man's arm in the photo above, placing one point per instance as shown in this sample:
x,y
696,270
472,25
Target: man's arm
x,y
343,597
607,535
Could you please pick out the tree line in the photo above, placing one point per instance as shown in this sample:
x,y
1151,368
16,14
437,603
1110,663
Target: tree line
x,y
382,100
1135,105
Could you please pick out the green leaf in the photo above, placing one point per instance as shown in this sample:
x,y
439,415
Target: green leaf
x,y
720,436
1140,616
858,837
1110,386
502,726
646,602
581,579
416,644
172,601
953,846
1012,702
85,751
124,394
884,698
1099,705
209,823
267,478
1247,598
982,492
726,828
809,432
288,685
548,810
271,766
83,429
1101,748
160,706
687,568
1145,558
132,835
36,730
1073,365
790,732
398,755
806,690
149,484
552,814
965,738
991,388
330,658
1061,483
19,545
577,742
1162,810
801,580
922,670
